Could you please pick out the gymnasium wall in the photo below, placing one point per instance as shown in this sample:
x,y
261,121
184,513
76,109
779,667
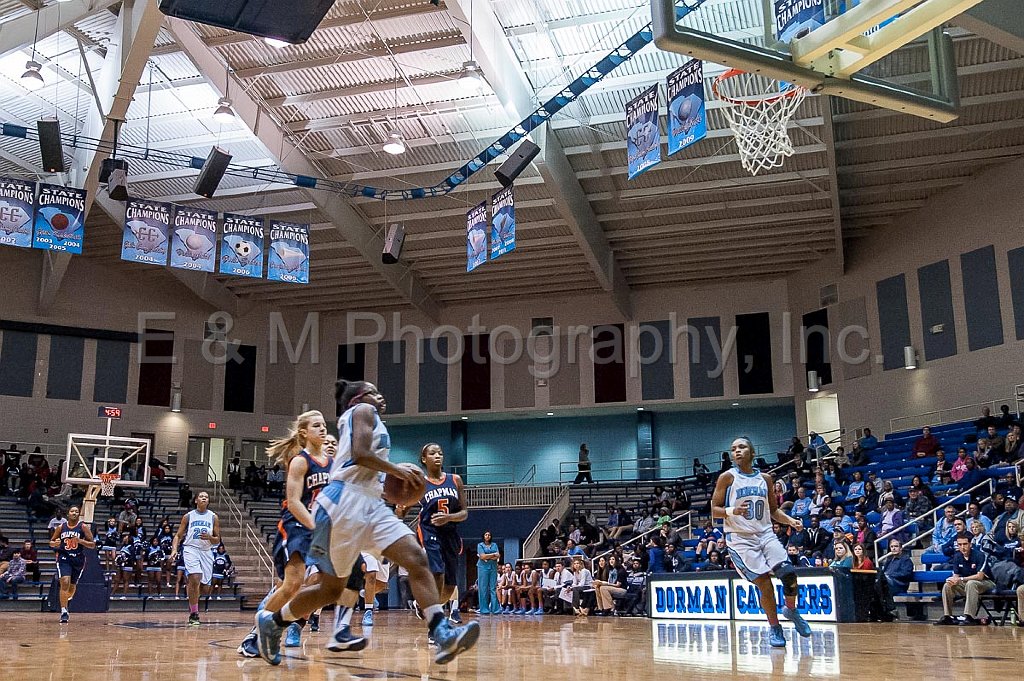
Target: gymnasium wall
x,y
955,262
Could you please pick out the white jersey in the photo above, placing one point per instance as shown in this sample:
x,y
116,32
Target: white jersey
x,y
198,523
345,469
751,488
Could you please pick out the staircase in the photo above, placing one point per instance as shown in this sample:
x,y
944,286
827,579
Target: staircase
x,y
248,545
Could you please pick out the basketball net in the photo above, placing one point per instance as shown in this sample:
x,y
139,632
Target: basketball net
x,y
758,113
105,488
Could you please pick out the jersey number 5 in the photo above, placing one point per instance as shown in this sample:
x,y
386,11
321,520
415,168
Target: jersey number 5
x,y
442,506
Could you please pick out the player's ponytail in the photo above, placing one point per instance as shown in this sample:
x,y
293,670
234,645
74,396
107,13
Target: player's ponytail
x,y
283,450
346,391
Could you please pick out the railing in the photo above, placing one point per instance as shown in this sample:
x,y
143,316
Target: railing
x,y
689,527
491,473
558,509
896,531
964,412
247,534
511,496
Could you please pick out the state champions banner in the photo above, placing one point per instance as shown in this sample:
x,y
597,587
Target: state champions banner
x,y
503,223
289,252
797,18
242,246
476,236
147,226
195,239
643,135
17,208
60,219
687,121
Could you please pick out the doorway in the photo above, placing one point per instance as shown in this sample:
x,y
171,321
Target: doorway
x,y
205,460
823,418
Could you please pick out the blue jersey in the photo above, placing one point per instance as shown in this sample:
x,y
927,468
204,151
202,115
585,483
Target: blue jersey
x,y
69,538
317,477
441,497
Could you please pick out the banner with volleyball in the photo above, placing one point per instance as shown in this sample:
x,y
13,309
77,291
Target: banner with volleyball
x,y
195,239
147,226
17,207
643,134
60,219
797,18
476,237
289,252
241,246
503,223
687,122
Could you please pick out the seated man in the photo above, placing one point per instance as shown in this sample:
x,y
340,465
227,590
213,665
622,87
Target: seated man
x,y
898,568
960,527
926,445
862,450
892,517
918,505
968,581
12,576
974,513
802,506
998,533
944,530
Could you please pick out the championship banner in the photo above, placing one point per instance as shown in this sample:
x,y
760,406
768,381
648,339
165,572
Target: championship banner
x,y
241,249
503,223
797,18
195,239
17,205
59,222
643,136
289,252
687,122
147,224
476,237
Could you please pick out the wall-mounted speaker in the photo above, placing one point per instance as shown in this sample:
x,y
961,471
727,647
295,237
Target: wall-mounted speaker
x,y
293,21
393,244
212,172
516,163
49,145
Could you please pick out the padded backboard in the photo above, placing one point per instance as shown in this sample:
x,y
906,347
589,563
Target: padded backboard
x,y
88,456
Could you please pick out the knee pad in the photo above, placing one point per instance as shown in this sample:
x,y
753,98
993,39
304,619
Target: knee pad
x,y
787,575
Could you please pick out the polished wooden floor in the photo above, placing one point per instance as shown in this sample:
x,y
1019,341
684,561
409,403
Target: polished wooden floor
x,y
158,647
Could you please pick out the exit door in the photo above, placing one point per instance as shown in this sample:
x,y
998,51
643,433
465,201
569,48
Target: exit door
x,y
205,460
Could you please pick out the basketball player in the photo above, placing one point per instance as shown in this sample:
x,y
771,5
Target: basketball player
x,y
442,506
70,538
743,497
198,533
351,517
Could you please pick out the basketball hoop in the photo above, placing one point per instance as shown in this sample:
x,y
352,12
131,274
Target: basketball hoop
x,y
107,483
759,112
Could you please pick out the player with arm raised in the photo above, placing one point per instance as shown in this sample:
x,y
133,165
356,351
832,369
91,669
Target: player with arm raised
x,y
198,532
743,499
70,538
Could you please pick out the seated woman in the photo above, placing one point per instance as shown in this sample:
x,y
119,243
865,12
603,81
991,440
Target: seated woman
x,y
888,492
855,491
701,472
610,586
582,588
222,569
844,556
528,593
941,469
623,526
861,561
868,502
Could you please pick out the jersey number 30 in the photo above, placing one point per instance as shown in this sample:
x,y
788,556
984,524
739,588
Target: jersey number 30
x,y
755,510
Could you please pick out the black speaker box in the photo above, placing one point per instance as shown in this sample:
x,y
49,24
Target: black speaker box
x,y
292,21
508,171
393,244
49,145
212,172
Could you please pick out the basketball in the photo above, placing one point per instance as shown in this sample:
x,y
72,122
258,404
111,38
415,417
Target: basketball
x,y
60,222
397,492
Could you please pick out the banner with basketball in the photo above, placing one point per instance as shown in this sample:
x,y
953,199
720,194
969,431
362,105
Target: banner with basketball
x,y
17,206
797,18
289,252
241,247
643,135
503,223
60,218
476,237
195,239
687,122
147,226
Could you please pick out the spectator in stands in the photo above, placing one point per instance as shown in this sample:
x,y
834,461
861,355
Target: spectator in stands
x,y
841,520
998,533
986,420
972,477
802,506
817,538
713,563
995,506
583,466
995,441
12,576
126,519
897,567
861,560
1006,419
843,555
235,472
960,532
817,448
1008,487
984,454
840,459
549,534
572,550
926,445
968,581
865,536
855,490
701,473
863,448
31,558
184,496
869,502
918,505
945,530
888,492
1012,451
892,517
942,469
796,558
974,514
921,486
612,586
959,466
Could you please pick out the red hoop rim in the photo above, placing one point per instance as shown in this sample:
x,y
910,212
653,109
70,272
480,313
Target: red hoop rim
x,y
732,73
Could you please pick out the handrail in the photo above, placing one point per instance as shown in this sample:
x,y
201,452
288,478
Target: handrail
x,y
654,529
246,533
988,481
943,416
530,477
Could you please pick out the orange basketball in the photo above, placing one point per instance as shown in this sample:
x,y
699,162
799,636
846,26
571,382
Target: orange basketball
x,y
397,492
60,222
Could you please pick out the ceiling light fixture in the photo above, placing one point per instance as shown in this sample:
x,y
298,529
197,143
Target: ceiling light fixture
x,y
813,382
32,79
395,144
224,114
277,43
471,80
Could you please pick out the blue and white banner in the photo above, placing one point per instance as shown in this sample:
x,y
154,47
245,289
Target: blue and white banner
x,y
687,121
503,223
195,239
147,226
60,219
643,135
476,237
797,18
241,248
289,252
709,599
17,206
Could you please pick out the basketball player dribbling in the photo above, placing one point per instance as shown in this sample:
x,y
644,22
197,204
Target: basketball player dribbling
x,y
70,539
442,506
744,500
198,532
351,517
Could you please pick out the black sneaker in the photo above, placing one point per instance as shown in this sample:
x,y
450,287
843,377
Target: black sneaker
x,y
946,621
314,622
63,618
193,619
968,621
